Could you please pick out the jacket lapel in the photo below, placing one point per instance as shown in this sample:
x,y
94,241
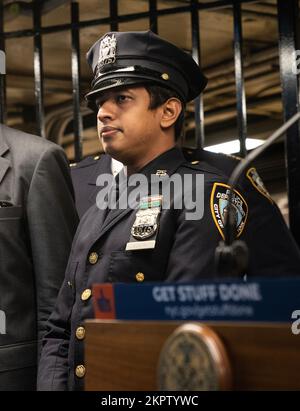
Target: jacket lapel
x,y
101,223
106,219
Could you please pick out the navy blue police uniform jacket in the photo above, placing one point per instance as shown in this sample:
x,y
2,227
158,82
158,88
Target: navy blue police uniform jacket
x,y
184,251
84,176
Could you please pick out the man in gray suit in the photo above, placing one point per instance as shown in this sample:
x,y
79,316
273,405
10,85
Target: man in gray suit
x,y
37,224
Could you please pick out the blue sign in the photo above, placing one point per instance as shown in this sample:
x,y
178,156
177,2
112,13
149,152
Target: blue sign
x,y
255,300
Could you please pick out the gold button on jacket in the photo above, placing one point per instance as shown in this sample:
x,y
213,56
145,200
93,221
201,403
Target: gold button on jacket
x,y
93,258
80,371
140,277
86,294
80,333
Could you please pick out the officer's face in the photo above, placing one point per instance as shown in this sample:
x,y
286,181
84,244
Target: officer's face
x,y
129,131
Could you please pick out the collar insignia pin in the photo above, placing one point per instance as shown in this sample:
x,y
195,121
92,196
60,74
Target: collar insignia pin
x,y
161,173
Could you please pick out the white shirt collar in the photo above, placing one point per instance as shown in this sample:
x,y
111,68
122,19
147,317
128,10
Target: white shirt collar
x,y
116,167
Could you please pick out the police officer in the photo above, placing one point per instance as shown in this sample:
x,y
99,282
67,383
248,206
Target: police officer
x,y
140,87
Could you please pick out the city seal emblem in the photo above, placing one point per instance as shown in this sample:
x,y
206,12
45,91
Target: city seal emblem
x,y
193,359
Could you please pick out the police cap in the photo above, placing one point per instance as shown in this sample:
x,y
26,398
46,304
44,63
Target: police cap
x,y
128,58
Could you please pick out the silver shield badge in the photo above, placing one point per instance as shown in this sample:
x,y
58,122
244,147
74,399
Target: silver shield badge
x,y
107,51
145,224
144,230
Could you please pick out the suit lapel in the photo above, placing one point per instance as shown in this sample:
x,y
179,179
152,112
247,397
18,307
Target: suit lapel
x,y
4,162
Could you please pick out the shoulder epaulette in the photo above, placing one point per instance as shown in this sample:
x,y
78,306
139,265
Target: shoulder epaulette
x,y
204,167
88,161
232,156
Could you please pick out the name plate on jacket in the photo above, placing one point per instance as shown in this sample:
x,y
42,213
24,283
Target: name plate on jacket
x,y
272,300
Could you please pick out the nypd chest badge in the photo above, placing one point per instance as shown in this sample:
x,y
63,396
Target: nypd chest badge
x,y
145,224
145,227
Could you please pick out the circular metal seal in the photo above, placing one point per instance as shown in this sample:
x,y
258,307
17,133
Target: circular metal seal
x,y
193,359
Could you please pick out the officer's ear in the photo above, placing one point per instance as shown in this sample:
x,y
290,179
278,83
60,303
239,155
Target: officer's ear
x,y
171,110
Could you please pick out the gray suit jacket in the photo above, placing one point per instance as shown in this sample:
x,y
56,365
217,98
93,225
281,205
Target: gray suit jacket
x,y
37,224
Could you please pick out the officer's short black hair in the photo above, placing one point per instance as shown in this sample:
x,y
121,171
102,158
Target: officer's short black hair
x,y
158,96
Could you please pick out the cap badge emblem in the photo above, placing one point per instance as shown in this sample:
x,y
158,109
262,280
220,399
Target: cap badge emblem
x,y
107,51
